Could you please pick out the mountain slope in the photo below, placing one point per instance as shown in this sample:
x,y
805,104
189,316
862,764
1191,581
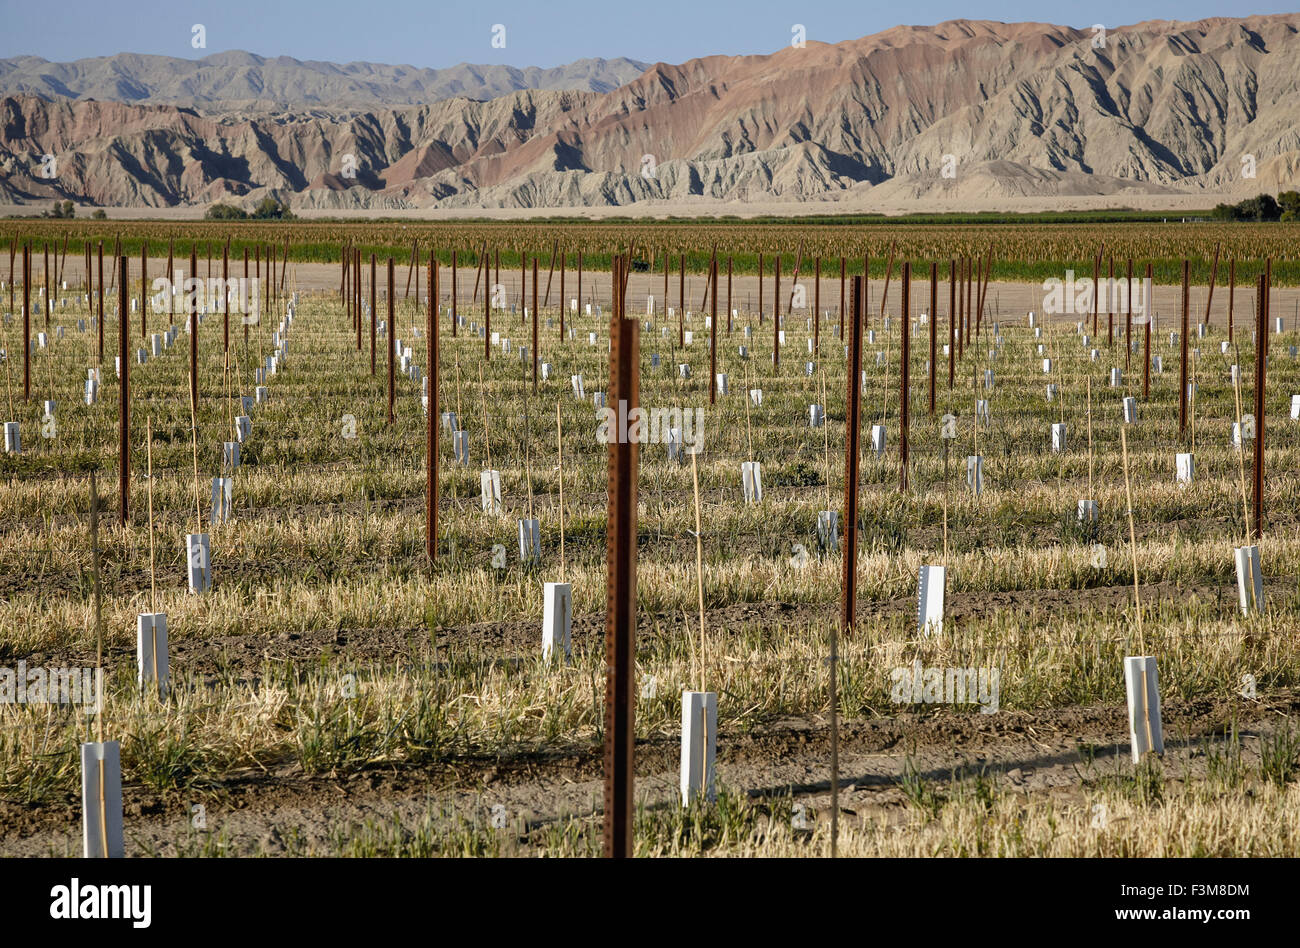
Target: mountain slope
x,y
240,80
963,110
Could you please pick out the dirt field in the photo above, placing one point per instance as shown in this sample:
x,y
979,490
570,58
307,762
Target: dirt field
x,y
335,694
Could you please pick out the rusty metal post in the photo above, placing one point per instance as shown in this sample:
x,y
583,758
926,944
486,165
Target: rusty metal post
x,y
1232,292
728,295
455,309
621,562
374,320
535,324
144,289
776,315
713,334
1261,370
1128,318
776,290
1214,274
171,280
952,321
841,333
681,300
817,307
27,321
194,331
760,288
852,413
889,275
970,300
100,289
934,320
389,339
487,310
225,298
432,418
1182,346
1110,299
123,395
905,374
1096,278
1146,345
667,263
546,297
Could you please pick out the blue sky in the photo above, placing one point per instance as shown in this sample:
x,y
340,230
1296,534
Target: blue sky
x,y
438,33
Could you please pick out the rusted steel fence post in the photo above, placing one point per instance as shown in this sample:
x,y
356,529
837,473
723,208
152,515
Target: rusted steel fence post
x,y
621,562
123,396
432,417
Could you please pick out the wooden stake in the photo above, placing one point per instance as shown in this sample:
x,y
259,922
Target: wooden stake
x,y
390,340
153,581
1261,371
124,395
194,441
1132,536
99,640
432,419
699,559
559,451
194,331
904,374
1182,362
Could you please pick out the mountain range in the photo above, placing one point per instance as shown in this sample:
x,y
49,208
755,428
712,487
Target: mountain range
x,y
969,111
240,80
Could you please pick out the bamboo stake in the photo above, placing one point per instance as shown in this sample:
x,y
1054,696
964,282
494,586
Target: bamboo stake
x,y
528,470
1241,456
1090,436
487,441
1132,538
153,580
99,654
194,441
699,560
559,451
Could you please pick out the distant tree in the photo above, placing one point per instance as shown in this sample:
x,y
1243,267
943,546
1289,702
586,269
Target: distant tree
x,y
62,210
269,209
99,215
225,212
1289,201
1262,207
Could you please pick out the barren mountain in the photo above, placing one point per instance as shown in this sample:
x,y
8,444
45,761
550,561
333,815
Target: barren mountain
x,y
240,80
968,111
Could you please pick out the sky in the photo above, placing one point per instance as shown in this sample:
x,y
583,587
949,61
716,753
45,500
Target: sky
x,y
438,33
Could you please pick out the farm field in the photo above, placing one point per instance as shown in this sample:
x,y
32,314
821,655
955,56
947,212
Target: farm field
x,y
337,692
